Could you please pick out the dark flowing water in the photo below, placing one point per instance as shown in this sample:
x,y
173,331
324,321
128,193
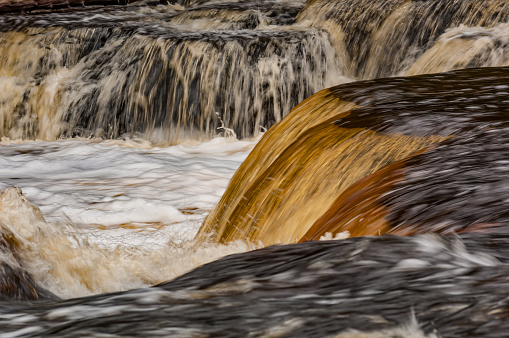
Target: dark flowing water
x,y
123,125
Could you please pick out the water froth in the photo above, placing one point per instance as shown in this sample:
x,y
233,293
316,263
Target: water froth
x,y
113,215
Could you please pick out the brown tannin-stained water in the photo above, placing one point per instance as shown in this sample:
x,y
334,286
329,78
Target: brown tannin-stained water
x,y
141,140
387,120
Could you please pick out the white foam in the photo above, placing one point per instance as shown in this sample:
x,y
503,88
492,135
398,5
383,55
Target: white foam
x,y
117,214
113,182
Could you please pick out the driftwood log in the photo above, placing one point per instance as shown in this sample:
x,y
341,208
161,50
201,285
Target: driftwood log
x,y
7,6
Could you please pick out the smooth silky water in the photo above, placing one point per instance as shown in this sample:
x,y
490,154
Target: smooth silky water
x,y
142,141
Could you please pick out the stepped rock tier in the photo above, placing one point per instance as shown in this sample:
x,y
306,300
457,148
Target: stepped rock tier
x,y
30,5
390,37
345,133
161,72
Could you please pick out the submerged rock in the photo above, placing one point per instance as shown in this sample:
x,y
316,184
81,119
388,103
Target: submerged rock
x,y
16,283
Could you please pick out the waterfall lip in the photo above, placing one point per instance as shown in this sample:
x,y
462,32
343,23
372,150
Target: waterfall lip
x,y
130,17
259,5
162,29
223,35
71,19
39,6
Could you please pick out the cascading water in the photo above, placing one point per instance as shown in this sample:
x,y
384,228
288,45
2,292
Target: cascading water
x,y
385,38
356,129
119,124
171,73
170,77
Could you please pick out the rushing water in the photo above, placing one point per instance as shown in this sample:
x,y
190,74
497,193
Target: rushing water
x,y
121,127
113,212
354,130
172,73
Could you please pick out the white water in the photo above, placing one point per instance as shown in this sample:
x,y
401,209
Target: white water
x,y
117,214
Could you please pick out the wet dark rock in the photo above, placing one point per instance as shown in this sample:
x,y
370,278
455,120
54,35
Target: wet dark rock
x,y
437,286
461,183
16,284
439,104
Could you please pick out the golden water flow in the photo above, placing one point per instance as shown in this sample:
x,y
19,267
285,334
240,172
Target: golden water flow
x,y
356,211
321,107
298,169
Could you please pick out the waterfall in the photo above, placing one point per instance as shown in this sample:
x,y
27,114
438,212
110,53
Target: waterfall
x,y
307,164
168,85
385,38
172,73
140,140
